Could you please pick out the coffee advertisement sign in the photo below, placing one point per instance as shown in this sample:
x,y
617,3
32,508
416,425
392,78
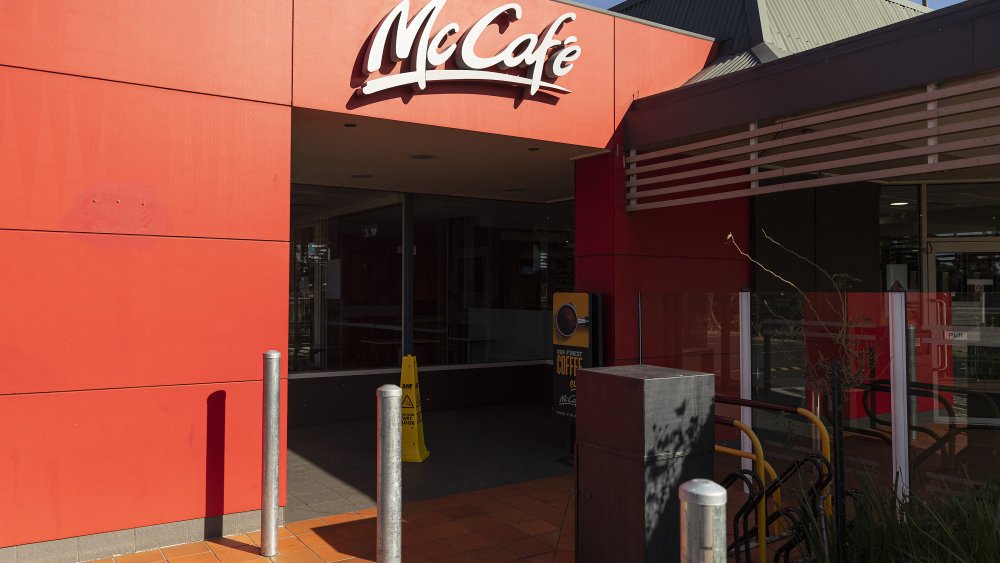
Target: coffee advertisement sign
x,y
576,331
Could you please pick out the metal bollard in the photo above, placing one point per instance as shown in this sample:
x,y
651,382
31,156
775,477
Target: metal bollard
x,y
703,522
389,539
272,436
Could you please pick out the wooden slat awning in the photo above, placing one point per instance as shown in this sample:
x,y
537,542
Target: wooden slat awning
x,y
950,131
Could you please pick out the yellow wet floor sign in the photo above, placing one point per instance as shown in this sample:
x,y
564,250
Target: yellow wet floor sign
x,y
413,419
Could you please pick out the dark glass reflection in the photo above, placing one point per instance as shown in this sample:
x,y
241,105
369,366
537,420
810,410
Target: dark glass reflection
x,y
345,304
963,210
899,237
484,274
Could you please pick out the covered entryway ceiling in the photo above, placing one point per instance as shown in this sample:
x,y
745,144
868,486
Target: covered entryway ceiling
x,y
333,149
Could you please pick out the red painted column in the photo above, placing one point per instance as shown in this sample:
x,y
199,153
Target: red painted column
x,y
677,257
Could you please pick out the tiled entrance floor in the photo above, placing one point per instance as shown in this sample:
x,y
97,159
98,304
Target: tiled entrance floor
x,y
331,467
531,521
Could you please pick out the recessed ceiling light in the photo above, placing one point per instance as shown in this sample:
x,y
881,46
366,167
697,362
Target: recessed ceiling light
x,y
350,125
534,149
361,176
423,157
898,203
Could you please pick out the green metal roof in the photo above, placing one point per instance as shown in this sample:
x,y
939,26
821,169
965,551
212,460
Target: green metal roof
x,y
726,65
752,32
797,25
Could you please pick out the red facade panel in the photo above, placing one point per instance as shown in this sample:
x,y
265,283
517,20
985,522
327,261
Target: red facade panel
x,y
83,311
595,205
96,461
601,80
695,231
674,256
95,156
680,295
328,82
238,49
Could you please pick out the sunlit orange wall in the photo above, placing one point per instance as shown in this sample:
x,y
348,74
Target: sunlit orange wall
x,y
144,208
144,173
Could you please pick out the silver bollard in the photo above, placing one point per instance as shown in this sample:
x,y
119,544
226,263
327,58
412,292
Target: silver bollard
x,y
703,522
389,540
272,437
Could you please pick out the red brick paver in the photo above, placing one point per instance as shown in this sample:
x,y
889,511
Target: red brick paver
x,y
530,522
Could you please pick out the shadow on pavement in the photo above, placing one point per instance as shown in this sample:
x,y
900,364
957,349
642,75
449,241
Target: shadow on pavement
x,y
331,467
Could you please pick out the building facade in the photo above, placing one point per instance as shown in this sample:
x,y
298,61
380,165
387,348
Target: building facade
x,y
189,184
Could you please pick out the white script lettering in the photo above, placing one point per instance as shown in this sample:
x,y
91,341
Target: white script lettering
x,y
414,42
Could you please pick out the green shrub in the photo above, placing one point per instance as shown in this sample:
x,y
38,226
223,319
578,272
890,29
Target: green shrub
x,y
955,526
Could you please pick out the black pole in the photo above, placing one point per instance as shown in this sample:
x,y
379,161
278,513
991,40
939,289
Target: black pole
x,y
639,315
765,379
839,492
406,248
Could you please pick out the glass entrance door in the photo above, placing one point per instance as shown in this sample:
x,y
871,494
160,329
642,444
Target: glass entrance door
x,y
966,275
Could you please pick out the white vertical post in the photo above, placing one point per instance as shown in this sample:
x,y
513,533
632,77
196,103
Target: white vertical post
x,y
898,393
746,375
272,437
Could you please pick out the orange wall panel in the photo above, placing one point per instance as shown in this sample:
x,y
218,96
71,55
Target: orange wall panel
x,y
240,49
83,311
649,60
331,37
95,461
95,156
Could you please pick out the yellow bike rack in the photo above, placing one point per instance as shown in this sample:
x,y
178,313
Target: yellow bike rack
x,y
824,435
824,444
768,468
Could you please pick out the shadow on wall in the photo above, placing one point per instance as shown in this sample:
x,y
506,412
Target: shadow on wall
x,y
674,442
215,464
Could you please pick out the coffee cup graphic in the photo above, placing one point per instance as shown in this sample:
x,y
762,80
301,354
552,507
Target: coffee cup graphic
x,y
567,320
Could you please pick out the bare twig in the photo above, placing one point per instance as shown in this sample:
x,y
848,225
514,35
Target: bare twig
x,y
853,359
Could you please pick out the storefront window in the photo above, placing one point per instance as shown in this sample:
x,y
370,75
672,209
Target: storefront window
x,y
345,302
484,274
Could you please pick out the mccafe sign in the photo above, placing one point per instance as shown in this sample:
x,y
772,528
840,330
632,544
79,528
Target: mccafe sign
x,y
424,43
